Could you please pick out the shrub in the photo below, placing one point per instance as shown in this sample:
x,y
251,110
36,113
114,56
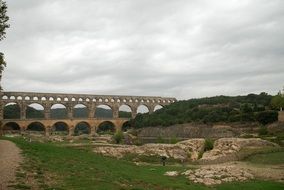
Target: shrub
x,y
208,144
266,117
262,131
117,137
173,140
160,139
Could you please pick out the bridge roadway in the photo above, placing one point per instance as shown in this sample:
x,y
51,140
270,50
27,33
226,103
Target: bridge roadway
x,y
91,102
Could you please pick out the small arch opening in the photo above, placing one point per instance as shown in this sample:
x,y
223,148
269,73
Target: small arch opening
x,y
4,97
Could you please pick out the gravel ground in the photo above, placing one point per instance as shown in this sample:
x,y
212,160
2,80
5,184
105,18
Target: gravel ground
x,y
10,159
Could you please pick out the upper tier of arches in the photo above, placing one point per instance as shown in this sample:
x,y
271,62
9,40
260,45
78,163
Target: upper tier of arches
x,y
84,98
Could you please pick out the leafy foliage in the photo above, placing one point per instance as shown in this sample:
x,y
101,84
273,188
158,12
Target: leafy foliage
x,y
277,102
3,19
209,143
266,117
117,137
3,26
262,131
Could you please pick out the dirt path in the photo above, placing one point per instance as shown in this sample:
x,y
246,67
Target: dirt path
x,y
10,159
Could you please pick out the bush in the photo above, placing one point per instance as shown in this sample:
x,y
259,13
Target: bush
x,y
160,139
173,140
262,131
117,137
209,143
266,117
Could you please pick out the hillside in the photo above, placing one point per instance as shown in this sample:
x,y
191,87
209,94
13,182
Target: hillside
x,y
250,108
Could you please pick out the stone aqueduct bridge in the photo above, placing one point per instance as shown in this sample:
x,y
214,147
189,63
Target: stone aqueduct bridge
x,y
47,100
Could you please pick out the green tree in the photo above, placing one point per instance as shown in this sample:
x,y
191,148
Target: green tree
x,y
266,117
118,137
277,102
3,26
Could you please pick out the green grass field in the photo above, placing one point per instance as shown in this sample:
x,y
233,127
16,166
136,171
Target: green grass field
x,y
55,167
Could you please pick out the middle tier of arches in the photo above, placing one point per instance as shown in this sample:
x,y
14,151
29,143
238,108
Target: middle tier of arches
x,y
30,110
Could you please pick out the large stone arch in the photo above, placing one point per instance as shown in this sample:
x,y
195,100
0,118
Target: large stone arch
x,y
34,110
124,111
158,107
80,110
126,125
11,127
60,128
58,110
106,127
36,126
143,108
104,111
12,110
82,127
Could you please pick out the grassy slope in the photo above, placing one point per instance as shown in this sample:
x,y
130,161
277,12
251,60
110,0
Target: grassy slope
x,y
268,158
80,169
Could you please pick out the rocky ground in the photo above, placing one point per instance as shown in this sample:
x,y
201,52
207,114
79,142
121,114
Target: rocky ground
x,y
227,149
229,172
183,150
217,174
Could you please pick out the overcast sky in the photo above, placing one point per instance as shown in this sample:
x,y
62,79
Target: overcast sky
x,y
179,48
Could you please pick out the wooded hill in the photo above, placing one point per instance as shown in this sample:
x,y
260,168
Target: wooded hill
x,y
250,108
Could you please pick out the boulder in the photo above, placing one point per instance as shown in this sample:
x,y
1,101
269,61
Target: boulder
x,y
226,149
171,173
217,174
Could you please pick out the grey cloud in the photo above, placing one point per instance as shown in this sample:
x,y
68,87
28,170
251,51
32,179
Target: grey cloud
x,y
170,48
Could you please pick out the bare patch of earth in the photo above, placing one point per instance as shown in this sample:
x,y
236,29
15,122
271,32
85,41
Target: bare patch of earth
x,y
10,159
